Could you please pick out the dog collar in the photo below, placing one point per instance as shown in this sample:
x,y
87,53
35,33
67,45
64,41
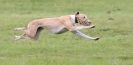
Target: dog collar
x,y
74,19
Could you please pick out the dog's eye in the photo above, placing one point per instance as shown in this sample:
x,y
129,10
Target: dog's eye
x,y
84,16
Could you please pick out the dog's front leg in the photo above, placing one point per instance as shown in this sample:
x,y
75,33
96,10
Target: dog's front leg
x,y
84,27
77,32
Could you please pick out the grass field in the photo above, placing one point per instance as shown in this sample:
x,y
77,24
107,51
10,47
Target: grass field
x,y
113,20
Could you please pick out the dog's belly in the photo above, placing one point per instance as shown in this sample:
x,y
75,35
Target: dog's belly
x,y
58,30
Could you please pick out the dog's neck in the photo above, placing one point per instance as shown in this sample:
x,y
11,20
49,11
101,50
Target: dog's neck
x,y
73,19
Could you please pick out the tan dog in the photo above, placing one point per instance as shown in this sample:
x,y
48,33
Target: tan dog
x,y
57,25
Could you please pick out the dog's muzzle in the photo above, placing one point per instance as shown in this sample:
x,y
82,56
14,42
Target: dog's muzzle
x,y
86,23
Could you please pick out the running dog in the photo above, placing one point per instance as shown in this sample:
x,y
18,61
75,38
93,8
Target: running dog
x,y
57,25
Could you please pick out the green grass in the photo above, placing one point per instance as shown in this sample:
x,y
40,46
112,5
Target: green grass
x,y
114,47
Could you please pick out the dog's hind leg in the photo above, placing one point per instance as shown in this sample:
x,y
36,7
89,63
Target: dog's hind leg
x,y
17,37
27,33
39,29
32,31
20,37
20,29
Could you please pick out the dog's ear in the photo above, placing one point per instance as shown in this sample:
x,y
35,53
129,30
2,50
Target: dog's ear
x,y
77,13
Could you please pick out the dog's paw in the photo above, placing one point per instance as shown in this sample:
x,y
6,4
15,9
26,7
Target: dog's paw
x,y
97,38
92,26
17,37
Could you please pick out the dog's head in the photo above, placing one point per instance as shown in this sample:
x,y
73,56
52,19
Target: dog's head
x,y
82,19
